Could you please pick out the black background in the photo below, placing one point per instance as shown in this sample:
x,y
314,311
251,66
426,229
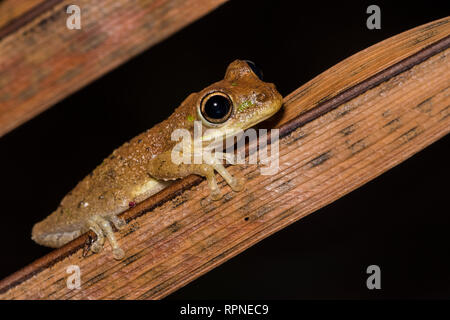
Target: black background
x,y
399,221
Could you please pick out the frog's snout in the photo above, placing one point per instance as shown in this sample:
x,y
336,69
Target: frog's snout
x,y
274,96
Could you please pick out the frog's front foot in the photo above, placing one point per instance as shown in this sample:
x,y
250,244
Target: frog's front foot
x,y
236,184
215,195
101,227
208,172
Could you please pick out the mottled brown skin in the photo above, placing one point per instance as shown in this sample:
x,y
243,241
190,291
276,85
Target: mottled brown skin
x,y
139,168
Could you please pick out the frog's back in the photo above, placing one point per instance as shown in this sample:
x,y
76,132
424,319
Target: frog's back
x,y
121,180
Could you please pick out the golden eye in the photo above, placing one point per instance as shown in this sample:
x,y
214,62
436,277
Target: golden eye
x,y
216,107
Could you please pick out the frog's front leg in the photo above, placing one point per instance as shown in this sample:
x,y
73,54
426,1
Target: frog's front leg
x,y
207,171
101,227
163,168
237,184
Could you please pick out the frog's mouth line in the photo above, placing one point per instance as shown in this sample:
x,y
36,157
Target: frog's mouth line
x,y
264,118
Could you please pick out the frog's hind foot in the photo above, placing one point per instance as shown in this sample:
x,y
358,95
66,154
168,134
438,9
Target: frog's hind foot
x,y
97,246
101,227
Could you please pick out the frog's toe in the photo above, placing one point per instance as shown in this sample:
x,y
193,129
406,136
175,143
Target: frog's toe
x,y
118,254
215,194
237,184
96,247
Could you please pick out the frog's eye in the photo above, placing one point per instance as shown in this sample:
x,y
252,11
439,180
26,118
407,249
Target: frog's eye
x,y
256,70
216,107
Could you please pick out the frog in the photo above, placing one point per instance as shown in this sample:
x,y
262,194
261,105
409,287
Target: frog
x,y
143,166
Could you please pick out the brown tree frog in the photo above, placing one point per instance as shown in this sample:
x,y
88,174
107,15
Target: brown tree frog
x,y
143,166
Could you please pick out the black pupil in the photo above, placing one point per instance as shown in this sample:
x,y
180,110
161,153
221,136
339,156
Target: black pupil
x,y
217,107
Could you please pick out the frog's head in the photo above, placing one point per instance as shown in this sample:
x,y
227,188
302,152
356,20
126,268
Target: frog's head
x,y
240,100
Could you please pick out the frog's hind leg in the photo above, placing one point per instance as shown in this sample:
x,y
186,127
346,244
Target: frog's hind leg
x,y
97,246
119,223
102,228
